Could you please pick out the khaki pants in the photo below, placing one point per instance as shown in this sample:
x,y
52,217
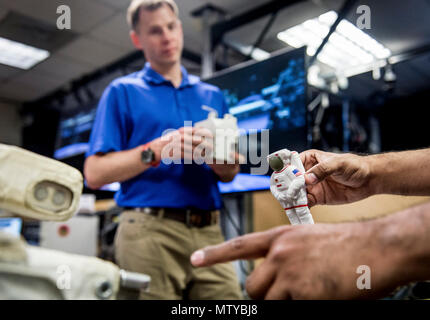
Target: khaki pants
x,y
161,248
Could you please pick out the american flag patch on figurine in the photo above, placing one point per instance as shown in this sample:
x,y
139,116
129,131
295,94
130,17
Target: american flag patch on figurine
x,y
297,172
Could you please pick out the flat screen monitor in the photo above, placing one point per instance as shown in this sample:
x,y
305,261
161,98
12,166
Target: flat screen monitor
x,y
269,99
74,132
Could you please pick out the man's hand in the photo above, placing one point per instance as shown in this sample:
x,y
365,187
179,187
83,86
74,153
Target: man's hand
x,y
315,262
184,143
336,178
194,144
226,171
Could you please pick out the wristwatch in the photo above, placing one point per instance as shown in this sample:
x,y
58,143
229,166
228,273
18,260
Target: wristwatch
x,y
148,156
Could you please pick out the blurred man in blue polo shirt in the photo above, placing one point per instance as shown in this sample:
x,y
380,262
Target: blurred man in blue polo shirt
x,y
170,209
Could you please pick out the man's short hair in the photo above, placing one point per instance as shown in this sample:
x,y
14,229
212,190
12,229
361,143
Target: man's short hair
x,y
133,12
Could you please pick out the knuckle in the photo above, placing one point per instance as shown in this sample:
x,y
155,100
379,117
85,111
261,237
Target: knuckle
x,y
250,288
323,167
343,162
281,229
311,151
249,283
279,253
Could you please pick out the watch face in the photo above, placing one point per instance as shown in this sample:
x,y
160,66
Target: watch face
x,y
147,156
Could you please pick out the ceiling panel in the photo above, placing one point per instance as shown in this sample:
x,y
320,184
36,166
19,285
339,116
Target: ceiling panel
x,y
235,7
3,13
29,86
114,31
91,51
8,72
62,67
117,4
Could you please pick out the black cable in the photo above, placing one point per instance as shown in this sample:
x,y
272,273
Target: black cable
x,y
262,34
233,223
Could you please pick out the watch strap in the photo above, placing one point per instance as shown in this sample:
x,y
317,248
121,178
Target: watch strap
x,y
154,163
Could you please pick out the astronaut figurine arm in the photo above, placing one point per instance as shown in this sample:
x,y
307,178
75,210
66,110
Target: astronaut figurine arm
x,y
297,162
295,187
285,155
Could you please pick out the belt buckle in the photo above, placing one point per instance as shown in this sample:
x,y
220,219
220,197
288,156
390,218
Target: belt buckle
x,y
193,219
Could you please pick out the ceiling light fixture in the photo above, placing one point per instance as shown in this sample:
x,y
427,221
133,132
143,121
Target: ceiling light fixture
x,y
19,55
348,48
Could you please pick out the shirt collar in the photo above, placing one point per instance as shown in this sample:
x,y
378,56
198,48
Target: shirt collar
x,y
154,77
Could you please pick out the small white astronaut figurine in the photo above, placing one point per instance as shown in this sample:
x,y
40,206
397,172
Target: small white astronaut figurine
x,y
287,185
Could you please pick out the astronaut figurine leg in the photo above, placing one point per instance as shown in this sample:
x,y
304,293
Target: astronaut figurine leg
x,y
302,211
291,213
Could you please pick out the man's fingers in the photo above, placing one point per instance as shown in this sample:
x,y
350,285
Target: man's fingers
x,y
206,145
277,292
312,157
260,280
197,142
311,179
323,170
250,246
239,158
312,200
203,132
309,158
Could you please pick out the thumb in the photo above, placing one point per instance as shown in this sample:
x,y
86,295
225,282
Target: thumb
x,y
322,170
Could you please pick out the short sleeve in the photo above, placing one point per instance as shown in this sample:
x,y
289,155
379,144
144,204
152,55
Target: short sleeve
x,y
109,133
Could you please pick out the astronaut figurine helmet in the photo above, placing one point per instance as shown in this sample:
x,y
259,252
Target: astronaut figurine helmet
x,y
276,163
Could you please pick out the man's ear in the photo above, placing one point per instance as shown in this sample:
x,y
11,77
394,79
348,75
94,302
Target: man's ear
x,y
135,39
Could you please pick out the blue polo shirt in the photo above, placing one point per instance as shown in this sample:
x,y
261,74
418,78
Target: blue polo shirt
x,y
137,109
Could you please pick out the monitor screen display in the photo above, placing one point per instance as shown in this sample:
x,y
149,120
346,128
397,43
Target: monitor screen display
x,y
269,99
74,132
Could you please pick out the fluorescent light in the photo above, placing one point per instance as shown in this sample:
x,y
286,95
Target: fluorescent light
x,y
19,55
348,47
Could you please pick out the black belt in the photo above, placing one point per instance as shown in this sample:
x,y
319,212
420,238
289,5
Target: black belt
x,y
191,217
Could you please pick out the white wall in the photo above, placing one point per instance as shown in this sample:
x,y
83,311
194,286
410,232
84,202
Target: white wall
x,y
10,125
